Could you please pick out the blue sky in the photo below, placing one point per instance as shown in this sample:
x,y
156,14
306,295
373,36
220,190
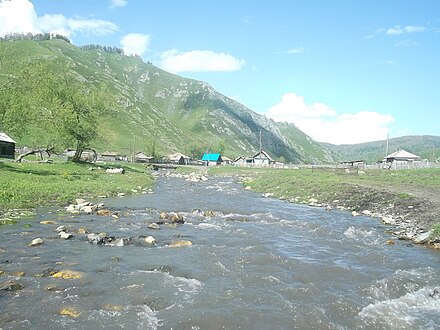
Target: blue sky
x,y
342,71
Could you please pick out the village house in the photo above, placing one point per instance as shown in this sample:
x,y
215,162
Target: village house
x,y
239,161
262,158
177,158
140,157
402,159
108,156
212,159
7,146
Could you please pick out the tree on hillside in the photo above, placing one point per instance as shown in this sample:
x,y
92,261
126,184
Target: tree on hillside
x,y
50,110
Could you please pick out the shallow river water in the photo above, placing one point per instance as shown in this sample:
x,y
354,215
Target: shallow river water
x,y
256,263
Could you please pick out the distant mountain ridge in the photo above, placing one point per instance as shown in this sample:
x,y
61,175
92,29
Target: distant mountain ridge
x,y
163,111
425,146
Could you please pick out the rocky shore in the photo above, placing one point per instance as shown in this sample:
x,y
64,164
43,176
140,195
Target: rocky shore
x,y
409,217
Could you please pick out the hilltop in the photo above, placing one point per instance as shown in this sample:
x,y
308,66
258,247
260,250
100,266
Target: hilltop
x,y
425,146
161,112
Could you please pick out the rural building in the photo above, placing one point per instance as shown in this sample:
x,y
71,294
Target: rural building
x,y
177,158
109,156
262,158
240,161
7,146
401,156
212,159
227,161
402,159
140,157
354,163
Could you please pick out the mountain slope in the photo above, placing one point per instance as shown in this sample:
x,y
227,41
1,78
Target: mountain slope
x,y
162,109
425,146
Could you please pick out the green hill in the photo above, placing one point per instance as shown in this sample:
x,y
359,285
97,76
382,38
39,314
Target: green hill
x,y
425,146
159,110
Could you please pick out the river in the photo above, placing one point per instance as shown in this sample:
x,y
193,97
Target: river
x,y
255,263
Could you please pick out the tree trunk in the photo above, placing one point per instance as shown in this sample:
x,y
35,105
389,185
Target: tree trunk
x,y
35,151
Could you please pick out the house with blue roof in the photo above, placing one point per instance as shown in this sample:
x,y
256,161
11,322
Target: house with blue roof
x,y
212,159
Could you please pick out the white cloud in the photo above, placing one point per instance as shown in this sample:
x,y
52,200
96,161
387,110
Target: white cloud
x,y
198,61
135,43
118,3
323,124
298,50
406,43
20,16
405,29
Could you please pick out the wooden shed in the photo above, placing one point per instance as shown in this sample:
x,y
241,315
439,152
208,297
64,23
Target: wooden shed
x,y
7,146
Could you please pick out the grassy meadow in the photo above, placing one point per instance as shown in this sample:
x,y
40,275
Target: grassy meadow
x,y
30,184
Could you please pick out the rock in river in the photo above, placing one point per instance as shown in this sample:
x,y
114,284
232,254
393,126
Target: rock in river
x,y
180,243
37,241
68,274
70,311
11,286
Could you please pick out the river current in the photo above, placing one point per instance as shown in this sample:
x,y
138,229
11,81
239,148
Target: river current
x,y
255,263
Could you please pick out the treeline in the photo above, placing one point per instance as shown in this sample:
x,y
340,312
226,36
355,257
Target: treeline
x,y
107,49
34,37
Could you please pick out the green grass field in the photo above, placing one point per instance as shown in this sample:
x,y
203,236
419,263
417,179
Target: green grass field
x,y
29,184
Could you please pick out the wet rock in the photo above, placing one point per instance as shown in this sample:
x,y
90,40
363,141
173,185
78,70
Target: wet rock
x,y
79,201
435,293
64,235
37,241
89,209
180,243
153,226
17,273
48,222
104,212
60,229
11,286
354,213
95,239
388,221
367,212
82,231
120,242
177,218
267,195
72,312
68,274
423,238
121,194
164,215
390,242
113,308
149,240
209,214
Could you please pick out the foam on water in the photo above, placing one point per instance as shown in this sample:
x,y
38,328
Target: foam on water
x,y
365,236
419,309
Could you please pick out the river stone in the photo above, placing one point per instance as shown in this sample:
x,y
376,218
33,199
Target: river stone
x,y
120,242
37,241
11,286
79,201
60,229
68,274
388,221
367,212
150,240
64,235
355,214
153,226
89,209
104,212
69,311
48,222
113,308
82,231
163,215
177,218
17,274
423,238
180,243
95,239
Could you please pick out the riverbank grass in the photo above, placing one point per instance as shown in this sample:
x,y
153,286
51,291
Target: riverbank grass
x,y
28,185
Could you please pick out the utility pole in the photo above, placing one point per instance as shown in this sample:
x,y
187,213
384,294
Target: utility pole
x,y
386,150
260,142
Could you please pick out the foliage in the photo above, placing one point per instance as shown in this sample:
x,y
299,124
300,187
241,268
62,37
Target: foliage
x,y
52,110
34,37
436,231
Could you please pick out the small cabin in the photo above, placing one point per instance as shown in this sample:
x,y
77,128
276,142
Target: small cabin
x,y
7,146
212,159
